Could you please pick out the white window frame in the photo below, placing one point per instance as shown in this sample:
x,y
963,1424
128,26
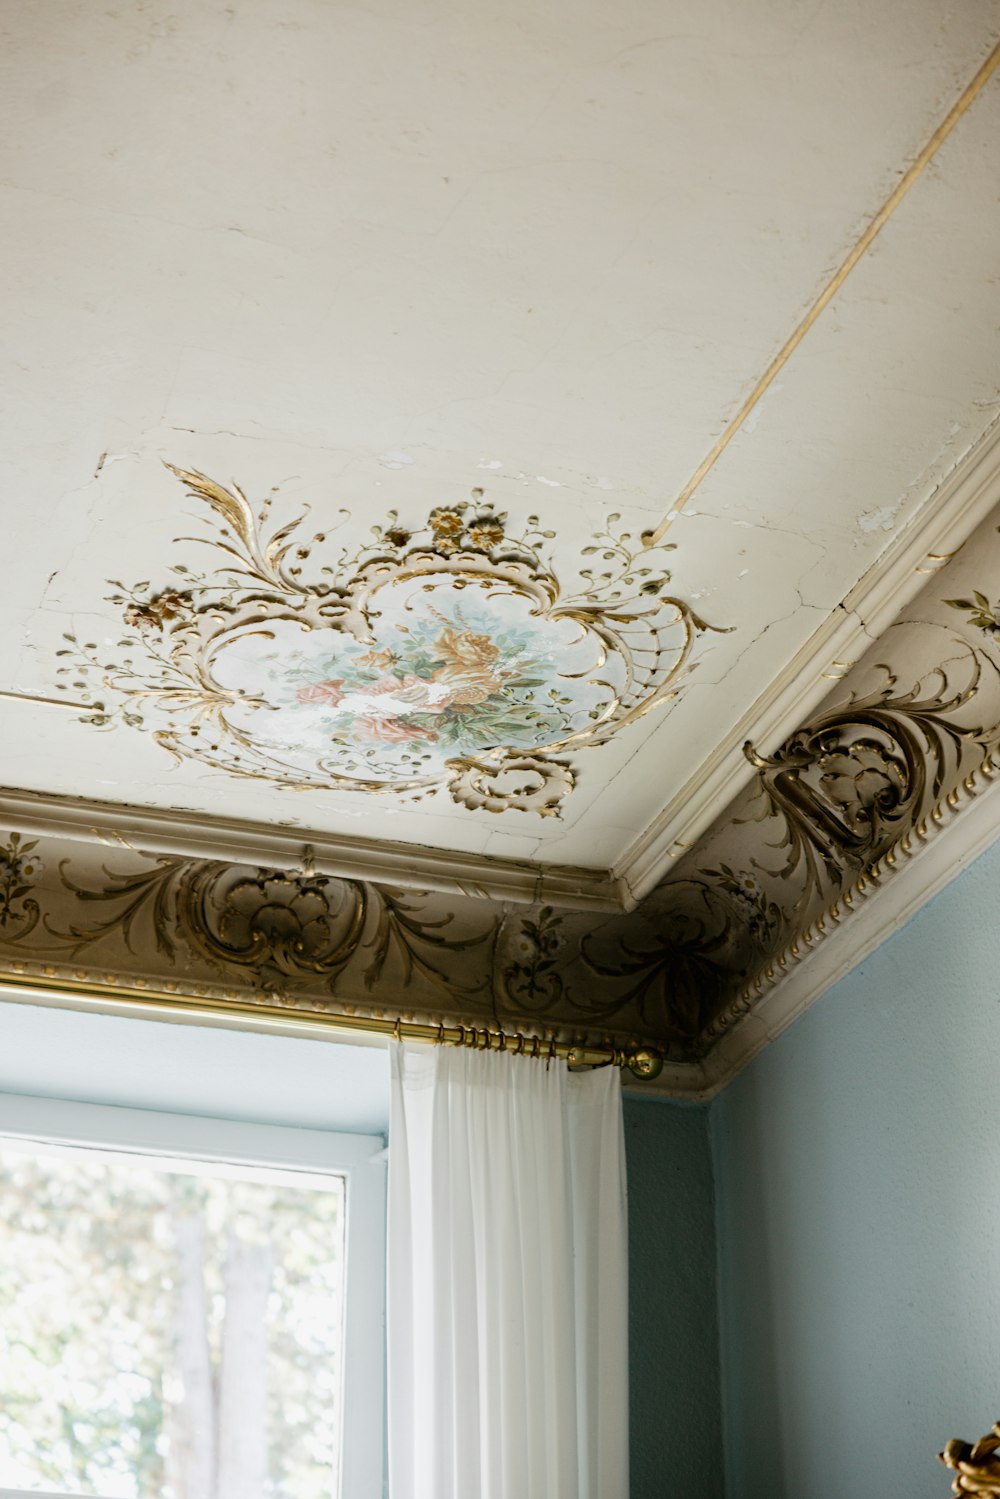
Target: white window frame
x,y
360,1159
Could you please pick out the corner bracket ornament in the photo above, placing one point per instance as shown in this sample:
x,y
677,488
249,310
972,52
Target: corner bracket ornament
x,y
440,658
976,1466
855,778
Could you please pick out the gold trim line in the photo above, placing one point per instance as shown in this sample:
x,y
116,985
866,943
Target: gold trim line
x,y
909,177
53,702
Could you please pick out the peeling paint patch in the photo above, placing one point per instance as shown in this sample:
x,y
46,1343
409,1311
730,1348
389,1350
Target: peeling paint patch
x,y
552,483
395,459
489,463
881,519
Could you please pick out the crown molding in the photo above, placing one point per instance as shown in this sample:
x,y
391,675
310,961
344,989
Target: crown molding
x,y
954,833
940,527
236,841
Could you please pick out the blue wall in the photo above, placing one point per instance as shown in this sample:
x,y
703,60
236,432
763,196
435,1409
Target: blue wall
x,y
857,1166
676,1430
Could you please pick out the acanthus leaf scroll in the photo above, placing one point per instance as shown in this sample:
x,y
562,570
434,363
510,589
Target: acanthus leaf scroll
x,y
274,926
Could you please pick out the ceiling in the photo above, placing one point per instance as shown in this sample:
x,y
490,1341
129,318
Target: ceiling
x,y
439,438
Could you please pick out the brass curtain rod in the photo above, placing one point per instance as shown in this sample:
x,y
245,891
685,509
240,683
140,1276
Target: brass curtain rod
x,y
644,1063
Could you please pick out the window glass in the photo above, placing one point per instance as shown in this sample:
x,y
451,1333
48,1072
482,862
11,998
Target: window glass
x,y
169,1330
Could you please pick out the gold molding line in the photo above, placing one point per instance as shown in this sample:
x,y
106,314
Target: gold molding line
x,y
52,702
882,217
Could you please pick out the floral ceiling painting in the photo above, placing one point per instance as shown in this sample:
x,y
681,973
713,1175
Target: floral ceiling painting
x,y
446,656
442,678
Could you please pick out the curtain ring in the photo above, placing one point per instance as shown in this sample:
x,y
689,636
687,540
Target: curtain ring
x,y
396,1033
520,1044
440,1036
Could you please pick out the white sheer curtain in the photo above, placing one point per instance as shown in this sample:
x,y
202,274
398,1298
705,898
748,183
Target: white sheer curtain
x,y
508,1374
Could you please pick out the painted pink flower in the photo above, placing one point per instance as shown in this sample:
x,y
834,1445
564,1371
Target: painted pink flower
x,y
322,692
391,730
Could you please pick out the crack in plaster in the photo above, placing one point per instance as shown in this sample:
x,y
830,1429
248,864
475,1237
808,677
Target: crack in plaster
x,y
279,440
751,644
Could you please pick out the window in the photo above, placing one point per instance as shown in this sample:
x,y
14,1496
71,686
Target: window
x,y
194,1307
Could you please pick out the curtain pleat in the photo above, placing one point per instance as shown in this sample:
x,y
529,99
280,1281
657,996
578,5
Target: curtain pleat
x,y
507,1265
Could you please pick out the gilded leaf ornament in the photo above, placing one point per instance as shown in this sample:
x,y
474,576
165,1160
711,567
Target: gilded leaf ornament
x,y
672,968
849,782
975,1465
273,925
446,656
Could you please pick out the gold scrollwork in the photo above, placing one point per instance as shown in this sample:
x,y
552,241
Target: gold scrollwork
x,y
275,925
674,970
408,694
975,1465
849,782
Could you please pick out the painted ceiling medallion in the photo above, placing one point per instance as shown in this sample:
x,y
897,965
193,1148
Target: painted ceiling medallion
x,y
441,657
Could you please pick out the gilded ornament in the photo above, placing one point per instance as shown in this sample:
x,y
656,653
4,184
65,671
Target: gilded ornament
x,y
976,1465
274,925
441,657
847,784
673,968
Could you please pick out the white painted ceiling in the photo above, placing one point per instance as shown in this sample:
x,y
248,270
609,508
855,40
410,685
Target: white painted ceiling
x,y
371,257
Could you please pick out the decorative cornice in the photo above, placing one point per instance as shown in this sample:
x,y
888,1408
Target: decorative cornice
x,y
945,521
956,830
193,835
905,878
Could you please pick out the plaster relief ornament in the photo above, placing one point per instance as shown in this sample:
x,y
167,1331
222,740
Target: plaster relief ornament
x,y
976,1465
443,657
